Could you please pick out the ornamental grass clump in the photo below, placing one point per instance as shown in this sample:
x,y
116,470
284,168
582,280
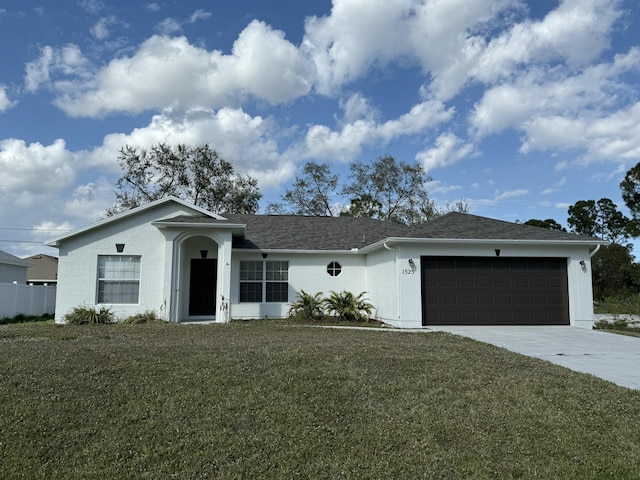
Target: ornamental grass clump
x,y
84,315
307,307
148,316
347,307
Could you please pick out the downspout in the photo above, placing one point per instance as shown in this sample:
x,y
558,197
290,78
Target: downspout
x,y
397,277
595,250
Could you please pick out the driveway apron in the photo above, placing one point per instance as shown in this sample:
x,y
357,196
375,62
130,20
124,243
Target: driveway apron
x,y
610,356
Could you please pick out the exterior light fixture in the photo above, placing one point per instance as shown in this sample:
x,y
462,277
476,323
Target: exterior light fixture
x,y
120,247
412,264
583,264
497,252
203,253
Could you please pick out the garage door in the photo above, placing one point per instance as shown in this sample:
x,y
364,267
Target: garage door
x,y
494,291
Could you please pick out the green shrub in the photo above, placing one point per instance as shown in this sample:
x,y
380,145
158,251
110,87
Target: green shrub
x,y
348,307
85,315
308,307
148,316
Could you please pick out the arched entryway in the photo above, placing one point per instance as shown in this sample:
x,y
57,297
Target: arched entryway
x,y
198,278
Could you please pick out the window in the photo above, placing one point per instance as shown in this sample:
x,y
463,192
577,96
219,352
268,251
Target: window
x,y
334,269
262,280
118,278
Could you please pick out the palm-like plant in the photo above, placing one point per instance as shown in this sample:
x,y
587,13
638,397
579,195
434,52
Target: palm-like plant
x,y
307,307
348,307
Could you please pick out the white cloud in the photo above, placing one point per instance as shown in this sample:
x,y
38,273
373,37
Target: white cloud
x,y
555,187
511,194
67,61
101,29
449,150
5,102
346,143
249,143
170,71
35,167
199,14
169,26
91,6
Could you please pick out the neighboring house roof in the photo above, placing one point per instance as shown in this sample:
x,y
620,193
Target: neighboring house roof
x,y
42,268
9,259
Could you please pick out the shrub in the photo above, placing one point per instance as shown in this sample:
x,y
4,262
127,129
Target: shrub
x,y
307,307
148,316
348,307
84,315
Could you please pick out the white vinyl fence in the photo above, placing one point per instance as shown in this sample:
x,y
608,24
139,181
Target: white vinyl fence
x,y
27,299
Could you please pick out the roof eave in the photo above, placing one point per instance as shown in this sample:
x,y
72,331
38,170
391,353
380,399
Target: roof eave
x,y
396,240
55,241
289,251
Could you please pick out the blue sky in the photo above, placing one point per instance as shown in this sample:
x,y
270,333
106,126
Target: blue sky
x,y
520,108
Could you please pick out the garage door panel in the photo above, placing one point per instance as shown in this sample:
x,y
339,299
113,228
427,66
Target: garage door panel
x,y
494,291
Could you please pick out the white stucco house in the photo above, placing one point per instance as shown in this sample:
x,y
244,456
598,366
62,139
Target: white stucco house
x,y
189,264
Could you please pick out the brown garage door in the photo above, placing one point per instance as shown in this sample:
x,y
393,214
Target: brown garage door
x,y
494,291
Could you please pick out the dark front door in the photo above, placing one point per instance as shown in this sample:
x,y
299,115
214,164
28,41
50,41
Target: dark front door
x,y
202,286
494,291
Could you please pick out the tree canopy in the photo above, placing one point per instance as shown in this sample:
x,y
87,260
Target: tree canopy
x,y
386,189
549,223
197,174
599,219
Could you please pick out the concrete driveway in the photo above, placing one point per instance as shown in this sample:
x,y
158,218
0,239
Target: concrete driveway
x,y
610,356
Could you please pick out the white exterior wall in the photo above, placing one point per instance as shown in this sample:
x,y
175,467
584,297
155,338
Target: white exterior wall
x,y
78,262
383,285
408,288
307,272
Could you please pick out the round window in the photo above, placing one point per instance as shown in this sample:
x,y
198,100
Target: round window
x,y
334,269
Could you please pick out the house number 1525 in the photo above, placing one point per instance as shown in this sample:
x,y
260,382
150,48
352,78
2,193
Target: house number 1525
x,y
408,271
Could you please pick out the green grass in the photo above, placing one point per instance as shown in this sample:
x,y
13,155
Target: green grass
x,y
271,400
620,304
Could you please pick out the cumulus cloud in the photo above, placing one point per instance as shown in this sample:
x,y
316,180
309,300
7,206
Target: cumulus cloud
x,y
449,150
35,167
346,143
249,143
170,71
554,106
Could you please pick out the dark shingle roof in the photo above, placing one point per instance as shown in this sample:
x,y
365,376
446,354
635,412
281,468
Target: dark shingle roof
x,y
305,233
290,232
466,226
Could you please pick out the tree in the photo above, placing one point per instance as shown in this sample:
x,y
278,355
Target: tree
x,y
630,188
195,174
614,271
389,190
600,219
549,223
310,193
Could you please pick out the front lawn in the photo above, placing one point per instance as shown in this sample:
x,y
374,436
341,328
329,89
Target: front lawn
x,y
269,400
